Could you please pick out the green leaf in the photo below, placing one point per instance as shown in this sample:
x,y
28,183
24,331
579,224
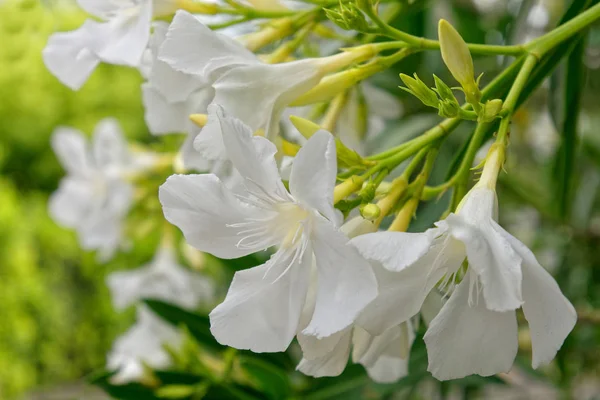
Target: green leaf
x,y
130,391
564,162
269,379
198,325
177,378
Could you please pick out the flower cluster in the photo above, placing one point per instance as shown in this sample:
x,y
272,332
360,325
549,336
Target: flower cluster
x,y
246,180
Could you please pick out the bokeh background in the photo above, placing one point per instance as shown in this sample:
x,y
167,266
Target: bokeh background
x,y
56,319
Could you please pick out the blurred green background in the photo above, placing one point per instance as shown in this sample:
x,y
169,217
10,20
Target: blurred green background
x,y
56,320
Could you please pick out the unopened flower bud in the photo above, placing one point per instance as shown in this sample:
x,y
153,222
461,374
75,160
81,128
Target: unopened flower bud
x,y
370,211
490,111
448,109
455,53
457,57
420,90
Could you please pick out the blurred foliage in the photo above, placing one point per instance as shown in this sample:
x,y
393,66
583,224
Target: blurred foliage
x,y
57,320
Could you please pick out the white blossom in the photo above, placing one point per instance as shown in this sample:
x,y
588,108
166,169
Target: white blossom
x,y
143,344
263,307
163,279
476,330
238,78
95,196
120,39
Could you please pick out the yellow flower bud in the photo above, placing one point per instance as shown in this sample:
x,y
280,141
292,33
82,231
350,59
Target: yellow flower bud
x,y
306,127
370,211
199,119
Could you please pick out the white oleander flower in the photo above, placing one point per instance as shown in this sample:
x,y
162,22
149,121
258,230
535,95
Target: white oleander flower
x,y
162,279
476,330
263,306
384,356
238,77
142,345
95,196
121,39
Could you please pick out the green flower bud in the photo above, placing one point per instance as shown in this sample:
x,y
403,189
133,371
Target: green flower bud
x,y
449,109
455,53
490,111
370,211
457,57
349,17
420,90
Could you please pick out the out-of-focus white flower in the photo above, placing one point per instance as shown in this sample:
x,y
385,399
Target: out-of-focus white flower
x,y
121,39
163,279
95,195
142,345
263,306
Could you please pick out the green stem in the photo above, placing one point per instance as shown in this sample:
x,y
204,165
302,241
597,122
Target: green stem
x,y
544,43
513,97
462,174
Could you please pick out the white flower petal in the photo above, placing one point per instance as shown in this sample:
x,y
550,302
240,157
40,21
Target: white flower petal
x,y
464,340
161,116
191,158
164,279
331,363
388,369
269,88
550,314
493,259
395,250
174,85
252,156
72,150
262,309
313,348
204,209
68,57
346,283
109,145
70,204
182,52
124,38
400,294
314,173
142,344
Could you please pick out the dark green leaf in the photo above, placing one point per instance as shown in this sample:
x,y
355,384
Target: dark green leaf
x,y
566,154
177,378
269,379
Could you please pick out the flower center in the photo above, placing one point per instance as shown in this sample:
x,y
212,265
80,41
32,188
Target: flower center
x,y
291,222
